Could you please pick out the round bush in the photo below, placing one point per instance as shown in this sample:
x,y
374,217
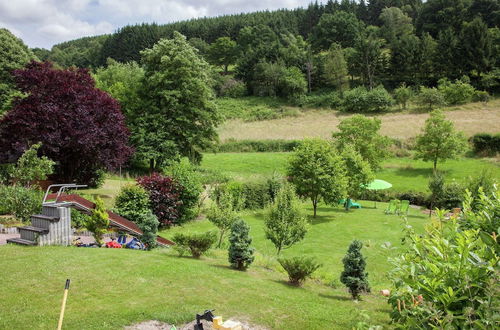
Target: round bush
x,y
362,100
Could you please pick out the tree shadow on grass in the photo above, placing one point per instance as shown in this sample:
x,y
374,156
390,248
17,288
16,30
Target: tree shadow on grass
x,y
413,172
287,284
334,297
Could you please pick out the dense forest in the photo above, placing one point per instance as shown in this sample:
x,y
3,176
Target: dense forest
x,y
383,41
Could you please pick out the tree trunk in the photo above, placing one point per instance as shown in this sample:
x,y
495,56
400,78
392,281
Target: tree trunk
x,y
435,164
151,165
225,69
220,239
315,205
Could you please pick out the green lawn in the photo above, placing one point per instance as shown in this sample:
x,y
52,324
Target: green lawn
x,y
112,288
404,173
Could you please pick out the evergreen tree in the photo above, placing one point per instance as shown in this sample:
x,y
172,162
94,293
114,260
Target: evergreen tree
x,y
240,251
354,275
148,223
98,222
335,68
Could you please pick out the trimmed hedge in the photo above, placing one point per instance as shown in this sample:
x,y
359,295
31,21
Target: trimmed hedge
x,y
486,144
233,145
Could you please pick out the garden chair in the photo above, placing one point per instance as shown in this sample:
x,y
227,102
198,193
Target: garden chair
x,y
392,207
351,204
403,207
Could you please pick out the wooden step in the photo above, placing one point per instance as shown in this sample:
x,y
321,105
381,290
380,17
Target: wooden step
x,y
45,217
20,241
34,229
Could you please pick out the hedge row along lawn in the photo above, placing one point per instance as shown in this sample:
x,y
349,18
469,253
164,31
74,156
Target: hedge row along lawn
x,y
111,288
404,173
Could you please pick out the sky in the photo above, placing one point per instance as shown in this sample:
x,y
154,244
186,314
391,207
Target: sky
x,y
43,23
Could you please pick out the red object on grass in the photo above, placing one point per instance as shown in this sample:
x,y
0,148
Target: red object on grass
x,y
113,245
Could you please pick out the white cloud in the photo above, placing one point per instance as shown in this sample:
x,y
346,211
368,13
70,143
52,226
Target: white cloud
x,y
42,23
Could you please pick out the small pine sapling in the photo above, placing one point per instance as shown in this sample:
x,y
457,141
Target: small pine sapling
x,y
240,252
354,275
98,222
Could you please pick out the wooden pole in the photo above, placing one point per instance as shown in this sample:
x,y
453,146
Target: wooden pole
x,y
63,307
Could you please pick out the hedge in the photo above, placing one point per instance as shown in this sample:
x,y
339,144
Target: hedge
x,y
486,144
233,145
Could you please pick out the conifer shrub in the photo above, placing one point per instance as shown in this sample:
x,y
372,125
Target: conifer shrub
x,y
240,252
98,222
354,276
148,223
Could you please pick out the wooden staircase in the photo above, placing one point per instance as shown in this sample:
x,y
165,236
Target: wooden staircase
x,y
52,227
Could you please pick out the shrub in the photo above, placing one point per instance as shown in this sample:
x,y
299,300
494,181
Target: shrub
x,y
402,95
272,79
164,197
196,243
148,223
232,145
230,87
485,181
354,275
235,189
31,168
446,278
256,195
132,202
79,219
486,144
21,202
240,252
189,180
362,100
482,96
330,100
299,268
458,92
429,98
98,222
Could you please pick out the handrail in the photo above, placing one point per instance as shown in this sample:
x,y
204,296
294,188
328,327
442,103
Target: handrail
x,y
62,188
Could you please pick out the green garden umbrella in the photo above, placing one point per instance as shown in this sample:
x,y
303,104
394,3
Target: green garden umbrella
x,y
378,185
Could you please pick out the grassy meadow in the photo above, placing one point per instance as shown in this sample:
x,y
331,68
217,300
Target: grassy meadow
x,y
470,118
112,288
404,173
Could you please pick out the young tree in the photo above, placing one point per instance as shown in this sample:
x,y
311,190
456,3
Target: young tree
x,y
285,224
223,214
31,168
80,127
98,222
363,134
240,252
132,202
180,115
402,95
317,172
439,140
223,51
335,68
354,275
358,170
430,97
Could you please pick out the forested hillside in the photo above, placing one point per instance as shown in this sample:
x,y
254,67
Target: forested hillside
x,y
382,41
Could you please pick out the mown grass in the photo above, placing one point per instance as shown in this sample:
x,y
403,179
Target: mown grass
x,y
112,288
404,173
470,118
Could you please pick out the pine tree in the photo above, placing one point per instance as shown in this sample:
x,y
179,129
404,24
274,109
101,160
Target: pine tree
x,y
98,222
240,251
354,276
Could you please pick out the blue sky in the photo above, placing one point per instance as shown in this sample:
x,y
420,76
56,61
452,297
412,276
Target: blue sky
x,y
43,23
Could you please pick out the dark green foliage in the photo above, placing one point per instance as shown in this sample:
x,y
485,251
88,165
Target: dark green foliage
x,y
196,243
272,79
256,195
240,253
299,268
486,144
436,186
232,145
354,275
148,223
189,180
362,100
429,98
341,27
330,100
83,53
457,92
132,202
20,202
226,86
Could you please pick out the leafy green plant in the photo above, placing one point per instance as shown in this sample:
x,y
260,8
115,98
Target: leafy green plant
x,y
285,223
223,214
132,202
196,243
354,276
299,268
360,99
429,98
402,95
240,253
457,92
98,222
31,168
20,202
448,277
